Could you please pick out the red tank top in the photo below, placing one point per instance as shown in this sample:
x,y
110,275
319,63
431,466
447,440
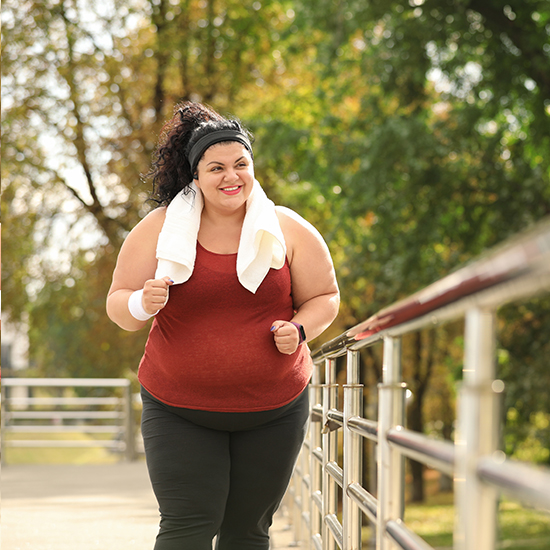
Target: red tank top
x,y
211,347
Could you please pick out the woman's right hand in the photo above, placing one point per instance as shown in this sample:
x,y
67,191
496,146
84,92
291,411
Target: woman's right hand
x,y
135,270
155,294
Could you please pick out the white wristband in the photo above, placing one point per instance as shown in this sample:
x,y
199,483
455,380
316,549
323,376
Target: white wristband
x,y
136,306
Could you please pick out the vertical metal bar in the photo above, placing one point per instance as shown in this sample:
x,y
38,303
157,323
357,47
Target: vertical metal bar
x,y
477,435
371,412
391,412
297,500
330,453
4,421
315,481
353,454
129,434
305,513
298,496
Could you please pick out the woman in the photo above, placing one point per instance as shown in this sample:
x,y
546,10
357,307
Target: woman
x,y
237,286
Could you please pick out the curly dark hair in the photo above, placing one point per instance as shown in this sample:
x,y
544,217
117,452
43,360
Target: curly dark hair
x,y
170,169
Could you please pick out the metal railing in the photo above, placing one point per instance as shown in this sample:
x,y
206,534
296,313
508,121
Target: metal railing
x,y
517,270
107,421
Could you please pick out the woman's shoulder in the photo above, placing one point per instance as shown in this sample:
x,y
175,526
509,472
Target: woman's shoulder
x,y
298,232
288,217
157,214
292,222
155,219
148,229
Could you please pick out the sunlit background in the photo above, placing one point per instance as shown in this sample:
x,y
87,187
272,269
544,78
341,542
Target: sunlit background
x,y
413,134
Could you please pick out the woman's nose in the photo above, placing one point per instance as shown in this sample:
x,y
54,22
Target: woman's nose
x,y
231,175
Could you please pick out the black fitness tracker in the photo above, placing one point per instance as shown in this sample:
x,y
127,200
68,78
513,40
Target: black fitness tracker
x,y
301,332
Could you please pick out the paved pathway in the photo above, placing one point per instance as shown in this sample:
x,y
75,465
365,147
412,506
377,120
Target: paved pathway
x,y
107,507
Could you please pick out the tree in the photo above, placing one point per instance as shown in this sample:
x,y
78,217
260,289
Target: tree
x,y
86,87
431,141
413,134
73,338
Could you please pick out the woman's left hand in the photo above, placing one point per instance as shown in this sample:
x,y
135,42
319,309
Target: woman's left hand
x,y
286,336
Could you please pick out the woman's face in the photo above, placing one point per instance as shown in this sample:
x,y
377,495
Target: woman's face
x,y
226,176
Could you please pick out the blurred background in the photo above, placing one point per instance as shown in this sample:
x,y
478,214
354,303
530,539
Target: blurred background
x,y
413,134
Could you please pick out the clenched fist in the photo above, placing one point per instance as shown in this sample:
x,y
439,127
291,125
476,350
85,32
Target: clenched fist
x,y
155,294
287,337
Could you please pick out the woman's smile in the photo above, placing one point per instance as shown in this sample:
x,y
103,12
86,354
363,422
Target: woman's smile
x,y
231,190
226,176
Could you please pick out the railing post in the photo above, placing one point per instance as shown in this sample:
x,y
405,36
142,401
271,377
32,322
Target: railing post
x,y
353,454
477,435
129,431
315,468
330,454
302,516
4,404
391,412
296,500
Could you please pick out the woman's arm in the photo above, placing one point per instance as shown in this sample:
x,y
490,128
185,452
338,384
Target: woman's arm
x,y
314,287
135,270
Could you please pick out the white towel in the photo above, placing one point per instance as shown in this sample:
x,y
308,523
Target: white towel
x,y
262,245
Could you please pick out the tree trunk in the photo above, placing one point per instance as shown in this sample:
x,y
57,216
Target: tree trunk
x,y
371,376
422,362
209,67
415,423
445,481
184,46
417,487
110,226
160,21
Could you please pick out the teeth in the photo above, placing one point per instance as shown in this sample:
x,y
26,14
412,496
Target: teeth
x,y
231,188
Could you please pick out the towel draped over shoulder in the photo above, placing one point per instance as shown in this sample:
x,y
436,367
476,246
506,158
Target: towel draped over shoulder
x,y
261,246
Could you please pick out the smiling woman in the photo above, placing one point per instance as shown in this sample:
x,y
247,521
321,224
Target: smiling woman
x,y
237,286
225,175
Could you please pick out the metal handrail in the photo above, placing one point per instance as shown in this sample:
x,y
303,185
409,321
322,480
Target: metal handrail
x,y
524,259
68,382
529,485
364,427
73,409
336,472
407,539
518,269
435,453
80,401
64,429
365,501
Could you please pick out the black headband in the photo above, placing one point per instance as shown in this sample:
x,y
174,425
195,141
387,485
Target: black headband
x,y
215,137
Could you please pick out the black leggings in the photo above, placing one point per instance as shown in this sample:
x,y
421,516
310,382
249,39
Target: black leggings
x,y
220,474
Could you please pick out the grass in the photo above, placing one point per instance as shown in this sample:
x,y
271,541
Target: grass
x,y
433,520
523,529
519,528
56,455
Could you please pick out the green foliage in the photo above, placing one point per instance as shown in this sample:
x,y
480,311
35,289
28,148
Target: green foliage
x,y
413,134
71,335
518,528
427,153
86,87
524,368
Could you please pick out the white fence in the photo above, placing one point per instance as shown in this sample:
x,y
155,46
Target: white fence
x,y
28,409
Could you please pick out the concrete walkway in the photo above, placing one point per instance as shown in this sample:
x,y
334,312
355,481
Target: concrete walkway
x,y
107,507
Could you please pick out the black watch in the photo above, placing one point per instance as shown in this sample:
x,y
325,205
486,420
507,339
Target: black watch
x,y
301,332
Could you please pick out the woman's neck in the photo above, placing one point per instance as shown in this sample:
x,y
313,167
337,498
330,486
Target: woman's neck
x,y
221,233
